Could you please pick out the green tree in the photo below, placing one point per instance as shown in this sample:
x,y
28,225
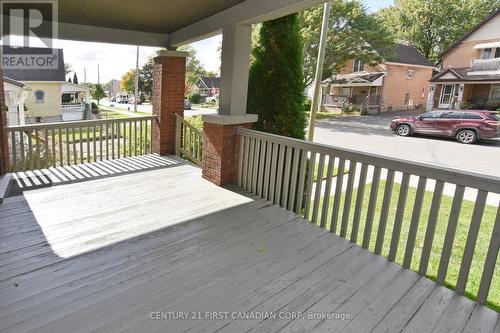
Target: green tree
x,y
146,77
98,93
127,82
194,68
75,78
433,25
353,33
276,87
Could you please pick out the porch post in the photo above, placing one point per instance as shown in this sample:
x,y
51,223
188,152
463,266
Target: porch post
x,y
220,142
430,97
169,72
460,97
4,147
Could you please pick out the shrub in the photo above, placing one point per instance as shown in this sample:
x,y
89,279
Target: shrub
x,y
195,98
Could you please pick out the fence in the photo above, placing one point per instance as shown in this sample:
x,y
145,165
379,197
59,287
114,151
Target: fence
x,y
388,206
188,140
39,146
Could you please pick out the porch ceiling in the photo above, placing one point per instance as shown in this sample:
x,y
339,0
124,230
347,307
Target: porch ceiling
x,y
158,16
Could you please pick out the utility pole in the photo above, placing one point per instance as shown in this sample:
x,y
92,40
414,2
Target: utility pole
x,y
98,75
315,104
136,79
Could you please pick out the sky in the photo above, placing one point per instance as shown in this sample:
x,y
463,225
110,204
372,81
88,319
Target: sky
x,y
115,60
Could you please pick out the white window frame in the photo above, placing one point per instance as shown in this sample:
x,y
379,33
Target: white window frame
x,y
356,68
410,74
452,93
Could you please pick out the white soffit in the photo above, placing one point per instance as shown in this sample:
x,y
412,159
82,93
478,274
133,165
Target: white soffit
x,y
489,45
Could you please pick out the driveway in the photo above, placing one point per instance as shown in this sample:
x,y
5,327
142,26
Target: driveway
x,y
371,134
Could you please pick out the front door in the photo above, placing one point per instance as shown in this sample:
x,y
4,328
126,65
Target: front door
x,y
446,96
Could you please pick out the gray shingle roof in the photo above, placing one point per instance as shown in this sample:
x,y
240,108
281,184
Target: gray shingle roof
x,y
47,74
407,54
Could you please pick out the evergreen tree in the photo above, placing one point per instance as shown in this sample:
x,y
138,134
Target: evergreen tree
x,y
75,78
69,80
275,87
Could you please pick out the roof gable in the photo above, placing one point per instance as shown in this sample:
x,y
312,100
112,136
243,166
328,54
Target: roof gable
x,y
407,54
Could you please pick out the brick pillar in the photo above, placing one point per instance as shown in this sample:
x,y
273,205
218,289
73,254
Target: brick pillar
x,y
169,73
4,147
221,146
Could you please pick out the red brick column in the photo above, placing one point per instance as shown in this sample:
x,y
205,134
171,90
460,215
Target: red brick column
x,y
221,146
4,147
169,74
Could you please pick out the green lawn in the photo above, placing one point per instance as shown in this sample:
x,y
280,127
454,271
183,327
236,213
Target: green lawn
x,y
458,246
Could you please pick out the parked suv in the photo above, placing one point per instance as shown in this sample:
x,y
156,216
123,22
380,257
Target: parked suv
x,y
467,126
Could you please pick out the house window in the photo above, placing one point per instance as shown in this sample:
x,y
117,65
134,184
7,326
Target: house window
x,y
359,66
407,98
497,52
410,75
39,96
495,92
487,53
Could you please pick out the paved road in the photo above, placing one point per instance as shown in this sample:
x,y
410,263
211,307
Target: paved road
x,y
371,134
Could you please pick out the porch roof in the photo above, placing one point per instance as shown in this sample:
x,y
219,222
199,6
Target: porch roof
x,y
356,79
164,23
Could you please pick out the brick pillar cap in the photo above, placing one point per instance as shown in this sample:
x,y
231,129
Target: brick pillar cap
x,y
229,120
171,53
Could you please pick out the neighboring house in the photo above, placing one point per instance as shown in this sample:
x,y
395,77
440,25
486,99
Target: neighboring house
x,y
114,88
398,83
207,86
470,75
51,98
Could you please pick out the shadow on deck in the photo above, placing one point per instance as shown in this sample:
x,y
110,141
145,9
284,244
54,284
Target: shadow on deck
x,y
166,250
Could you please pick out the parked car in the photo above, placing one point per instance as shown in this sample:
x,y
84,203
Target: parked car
x,y
211,100
467,126
187,104
122,98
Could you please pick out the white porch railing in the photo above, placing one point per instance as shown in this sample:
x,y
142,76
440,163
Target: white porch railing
x,y
280,170
40,146
188,140
485,65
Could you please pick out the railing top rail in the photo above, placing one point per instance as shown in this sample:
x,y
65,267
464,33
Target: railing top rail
x,y
468,179
70,124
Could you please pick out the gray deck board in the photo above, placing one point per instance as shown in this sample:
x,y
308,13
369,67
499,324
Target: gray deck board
x,y
101,255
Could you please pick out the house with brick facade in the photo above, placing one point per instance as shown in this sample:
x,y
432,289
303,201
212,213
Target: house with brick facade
x,y
470,70
399,83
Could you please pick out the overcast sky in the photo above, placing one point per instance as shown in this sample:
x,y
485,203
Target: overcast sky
x,y
114,60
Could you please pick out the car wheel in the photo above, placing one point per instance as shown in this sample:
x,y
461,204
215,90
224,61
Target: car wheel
x,y
403,130
467,136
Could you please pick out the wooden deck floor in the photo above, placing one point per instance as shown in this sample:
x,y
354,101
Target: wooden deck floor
x,y
132,253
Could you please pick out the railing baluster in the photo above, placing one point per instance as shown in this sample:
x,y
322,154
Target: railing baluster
x,y
46,148
372,204
319,183
107,138
274,162
293,180
338,194
37,149
21,143
135,138
286,181
118,130
146,146
61,155
94,143
80,135
141,142
415,219
246,161
431,228
255,166
490,262
240,157
250,165
68,153
88,144
359,203
54,153
100,142
385,212
302,177
328,189
398,220
75,157
450,233
269,149
129,138
309,185
260,175
348,199
279,174
470,244
13,145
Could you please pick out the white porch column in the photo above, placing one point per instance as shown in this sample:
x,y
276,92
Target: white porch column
x,y
430,97
460,96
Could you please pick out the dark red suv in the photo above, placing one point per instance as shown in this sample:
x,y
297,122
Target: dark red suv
x,y
467,126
